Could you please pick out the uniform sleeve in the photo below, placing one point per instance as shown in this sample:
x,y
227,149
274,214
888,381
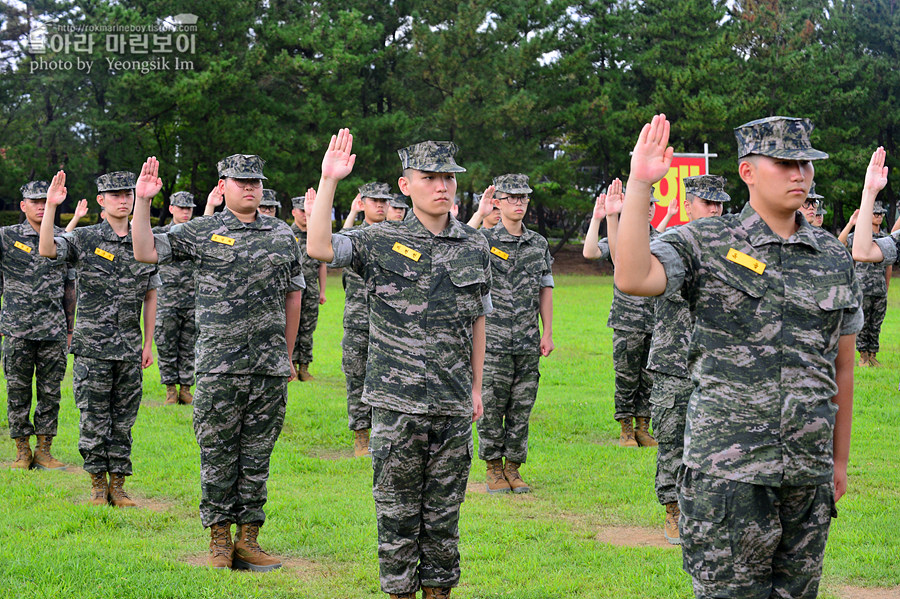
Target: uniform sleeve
x,y
350,250
298,282
852,322
603,244
676,251
487,306
155,281
547,273
178,244
888,246
68,247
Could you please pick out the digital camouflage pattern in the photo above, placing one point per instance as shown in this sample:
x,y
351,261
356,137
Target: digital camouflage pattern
x,y
509,392
116,181
668,409
671,337
378,191
633,381
111,290
813,195
244,271
778,137
629,312
179,280
298,203
269,198
871,275
44,363
520,268
399,201
874,309
878,208
35,190
708,187
420,468
753,541
763,349
355,354
425,292
32,286
431,157
108,395
182,199
309,311
356,302
241,166
237,419
513,184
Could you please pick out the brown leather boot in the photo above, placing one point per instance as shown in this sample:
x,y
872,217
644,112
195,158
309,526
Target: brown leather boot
x,y
117,495
642,433
184,395
303,373
99,489
863,359
626,437
671,527
361,443
872,361
403,596
43,459
247,553
512,476
436,593
171,395
221,549
496,482
24,457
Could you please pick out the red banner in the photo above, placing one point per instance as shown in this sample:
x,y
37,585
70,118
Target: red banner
x,y
671,188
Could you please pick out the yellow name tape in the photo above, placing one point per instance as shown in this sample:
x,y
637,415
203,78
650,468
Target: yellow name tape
x,y
223,239
104,254
500,253
22,247
408,252
745,261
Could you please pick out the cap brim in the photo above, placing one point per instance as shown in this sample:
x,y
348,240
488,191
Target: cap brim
x,y
439,168
711,196
517,191
116,189
807,154
34,197
244,176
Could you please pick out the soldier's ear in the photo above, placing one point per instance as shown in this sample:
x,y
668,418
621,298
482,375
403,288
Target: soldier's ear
x,y
403,184
747,171
100,199
22,205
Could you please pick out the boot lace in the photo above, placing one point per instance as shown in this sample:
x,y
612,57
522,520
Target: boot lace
x,y
221,544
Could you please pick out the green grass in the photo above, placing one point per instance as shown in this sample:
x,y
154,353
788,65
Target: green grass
x,y
321,515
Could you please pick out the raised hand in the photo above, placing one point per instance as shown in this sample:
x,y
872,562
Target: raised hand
x,y
673,208
877,173
599,207
81,209
338,160
615,198
486,205
215,198
652,155
148,183
854,217
56,194
309,201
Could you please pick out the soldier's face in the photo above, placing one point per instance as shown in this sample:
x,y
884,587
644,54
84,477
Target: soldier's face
x,y
512,207
118,203
395,213
181,214
34,210
818,221
491,220
877,219
778,183
432,193
268,210
809,210
698,207
375,209
299,218
242,196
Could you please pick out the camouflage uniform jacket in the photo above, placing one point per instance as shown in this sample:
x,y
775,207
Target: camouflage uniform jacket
x,y
310,265
111,290
769,316
629,312
179,281
671,335
31,286
356,305
244,272
871,276
425,292
520,267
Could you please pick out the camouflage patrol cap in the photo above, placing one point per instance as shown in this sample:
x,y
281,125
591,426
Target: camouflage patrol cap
x,y
376,191
513,184
35,190
182,199
399,201
241,166
269,198
431,157
812,195
777,137
116,181
820,211
298,203
653,198
879,208
708,187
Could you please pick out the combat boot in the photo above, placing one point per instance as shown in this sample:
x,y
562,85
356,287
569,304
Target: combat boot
x,y
171,395
512,476
184,395
43,459
99,489
247,553
24,457
626,437
303,373
642,433
436,593
403,596
117,495
872,361
863,359
361,443
671,527
496,482
221,549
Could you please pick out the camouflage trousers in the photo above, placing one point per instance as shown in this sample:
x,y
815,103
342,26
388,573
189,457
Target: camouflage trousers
x,y
45,362
309,318
355,346
750,541
668,409
421,467
108,394
237,419
509,392
633,381
874,310
175,336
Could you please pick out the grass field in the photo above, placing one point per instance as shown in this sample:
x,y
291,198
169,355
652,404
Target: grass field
x,y
590,528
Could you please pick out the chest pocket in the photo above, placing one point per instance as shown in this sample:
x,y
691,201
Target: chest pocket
x,y
216,267
734,298
98,265
141,273
468,279
396,282
275,269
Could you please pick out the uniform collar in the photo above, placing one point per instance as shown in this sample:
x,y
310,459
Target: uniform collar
x,y
502,234
759,232
26,230
453,230
107,233
235,224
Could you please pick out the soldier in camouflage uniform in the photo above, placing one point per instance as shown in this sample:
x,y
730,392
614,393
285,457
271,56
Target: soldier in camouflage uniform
x,y
488,214
428,278
522,289
631,319
820,215
109,353
38,310
355,344
777,308
668,361
176,330
315,274
397,207
811,205
249,284
269,203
